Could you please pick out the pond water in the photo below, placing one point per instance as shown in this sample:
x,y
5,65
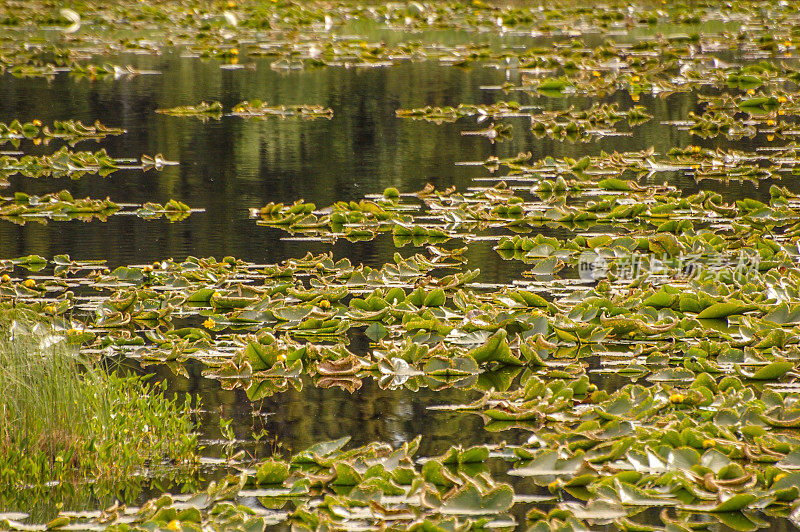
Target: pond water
x,y
229,166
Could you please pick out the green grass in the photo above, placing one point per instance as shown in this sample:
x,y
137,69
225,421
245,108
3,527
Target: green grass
x,y
65,422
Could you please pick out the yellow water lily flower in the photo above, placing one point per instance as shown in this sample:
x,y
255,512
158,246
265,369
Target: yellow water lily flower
x,y
677,398
209,323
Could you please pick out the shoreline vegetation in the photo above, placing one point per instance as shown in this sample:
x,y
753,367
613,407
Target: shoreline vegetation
x,y
68,425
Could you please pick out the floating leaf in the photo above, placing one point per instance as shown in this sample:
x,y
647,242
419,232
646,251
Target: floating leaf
x,y
496,349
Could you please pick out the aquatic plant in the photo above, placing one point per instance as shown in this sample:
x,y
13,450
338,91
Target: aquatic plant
x,y
64,162
643,353
65,421
257,108
249,109
22,208
203,110
72,131
572,124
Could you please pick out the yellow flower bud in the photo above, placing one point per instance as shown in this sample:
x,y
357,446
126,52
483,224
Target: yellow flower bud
x,y
677,398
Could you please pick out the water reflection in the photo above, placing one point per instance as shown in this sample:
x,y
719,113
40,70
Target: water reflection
x,y
231,165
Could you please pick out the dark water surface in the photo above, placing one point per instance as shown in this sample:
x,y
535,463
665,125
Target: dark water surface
x,y
231,165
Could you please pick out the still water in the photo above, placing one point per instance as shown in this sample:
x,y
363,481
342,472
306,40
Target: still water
x,y
230,165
